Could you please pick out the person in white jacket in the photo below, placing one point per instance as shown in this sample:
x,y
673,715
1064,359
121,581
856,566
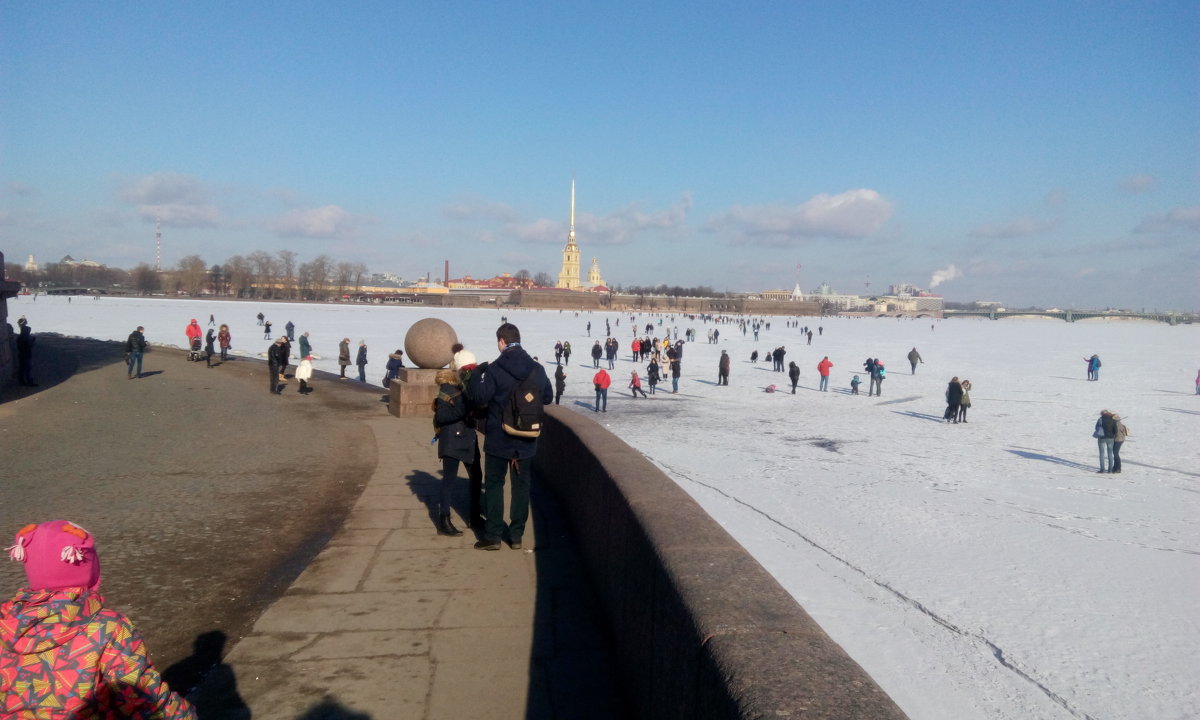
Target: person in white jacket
x,y
304,374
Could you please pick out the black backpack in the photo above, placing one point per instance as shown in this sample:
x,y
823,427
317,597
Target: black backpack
x,y
522,414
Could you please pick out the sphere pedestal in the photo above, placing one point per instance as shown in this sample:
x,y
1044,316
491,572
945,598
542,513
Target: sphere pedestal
x,y
412,393
427,344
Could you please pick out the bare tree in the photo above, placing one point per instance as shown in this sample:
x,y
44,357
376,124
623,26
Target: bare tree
x,y
216,280
145,279
542,279
343,275
287,270
193,274
264,266
239,274
313,277
359,271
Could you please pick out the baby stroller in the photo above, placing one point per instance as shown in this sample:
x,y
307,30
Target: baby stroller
x,y
197,352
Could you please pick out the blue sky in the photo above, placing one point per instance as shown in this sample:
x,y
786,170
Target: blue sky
x,y
1034,153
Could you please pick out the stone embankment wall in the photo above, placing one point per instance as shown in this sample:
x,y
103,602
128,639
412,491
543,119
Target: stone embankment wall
x,y
8,341
701,629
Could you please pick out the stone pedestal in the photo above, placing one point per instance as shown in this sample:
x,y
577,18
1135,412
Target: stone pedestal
x,y
412,393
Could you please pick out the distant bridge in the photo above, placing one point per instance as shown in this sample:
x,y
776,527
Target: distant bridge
x,y
1171,318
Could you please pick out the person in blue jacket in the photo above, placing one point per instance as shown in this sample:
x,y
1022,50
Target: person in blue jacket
x,y
490,386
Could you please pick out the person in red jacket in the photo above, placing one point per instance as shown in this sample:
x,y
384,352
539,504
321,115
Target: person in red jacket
x,y
635,384
823,369
636,346
194,333
62,653
601,380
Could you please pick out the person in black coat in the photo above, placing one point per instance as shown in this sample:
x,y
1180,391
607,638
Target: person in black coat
x,y
597,351
274,363
25,342
954,394
723,369
794,374
456,441
209,349
560,383
361,361
504,454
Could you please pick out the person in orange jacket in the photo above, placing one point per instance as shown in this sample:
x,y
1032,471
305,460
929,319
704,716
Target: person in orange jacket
x,y
194,333
823,369
601,380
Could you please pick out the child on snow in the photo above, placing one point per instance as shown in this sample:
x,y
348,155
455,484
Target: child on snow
x,y
304,373
854,382
635,384
62,653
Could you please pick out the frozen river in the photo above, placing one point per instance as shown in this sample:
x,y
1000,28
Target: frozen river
x,y
979,570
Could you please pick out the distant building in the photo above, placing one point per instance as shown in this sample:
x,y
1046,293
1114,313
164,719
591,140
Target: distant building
x,y
31,265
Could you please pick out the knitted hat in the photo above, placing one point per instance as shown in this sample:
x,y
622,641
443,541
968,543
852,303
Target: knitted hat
x,y
57,554
463,359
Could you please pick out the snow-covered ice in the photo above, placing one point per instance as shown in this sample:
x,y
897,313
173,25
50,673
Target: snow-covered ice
x,y
979,570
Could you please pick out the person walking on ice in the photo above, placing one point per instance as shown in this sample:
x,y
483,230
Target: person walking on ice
x,y
914,357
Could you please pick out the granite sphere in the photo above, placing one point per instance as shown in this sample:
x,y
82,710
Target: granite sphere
x,y
428,343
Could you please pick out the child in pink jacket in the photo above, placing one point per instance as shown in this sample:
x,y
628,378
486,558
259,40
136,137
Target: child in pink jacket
x,y
62,653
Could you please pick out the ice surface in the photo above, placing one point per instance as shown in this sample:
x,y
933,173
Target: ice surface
x,y
979,570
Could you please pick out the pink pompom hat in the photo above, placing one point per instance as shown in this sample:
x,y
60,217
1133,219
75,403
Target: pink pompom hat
x,y
57,554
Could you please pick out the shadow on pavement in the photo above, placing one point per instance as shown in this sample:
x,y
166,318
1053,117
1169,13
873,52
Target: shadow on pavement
x,y
220,698
57,358
331,710
572,672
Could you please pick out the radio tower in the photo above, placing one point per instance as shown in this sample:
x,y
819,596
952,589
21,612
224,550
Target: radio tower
x,y
157,246
868,284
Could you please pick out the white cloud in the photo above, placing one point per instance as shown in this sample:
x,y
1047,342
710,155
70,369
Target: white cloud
x,y
327,222
950,272
1138,183
173,199
1180,219
1020,227
853,214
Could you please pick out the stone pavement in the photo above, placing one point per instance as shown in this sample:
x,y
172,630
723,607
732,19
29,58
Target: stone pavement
x,y
193,477
394,621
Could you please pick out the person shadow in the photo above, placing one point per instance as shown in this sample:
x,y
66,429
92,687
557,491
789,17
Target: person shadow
x,y
427,487
218,697
329,709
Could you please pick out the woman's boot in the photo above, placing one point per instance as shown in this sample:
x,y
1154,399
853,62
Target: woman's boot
x,y
445,527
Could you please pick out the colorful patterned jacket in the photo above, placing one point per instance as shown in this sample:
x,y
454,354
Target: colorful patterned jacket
x,y
64,655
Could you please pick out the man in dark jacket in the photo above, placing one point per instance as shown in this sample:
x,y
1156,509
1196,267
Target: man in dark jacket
x,y
491,386
275,360
25,353
135,345
723,369
794,375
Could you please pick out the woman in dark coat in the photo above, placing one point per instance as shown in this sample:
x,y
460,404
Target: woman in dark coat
x,y
344,356
954,394
209,350
794,374
560,383
361,361
456,441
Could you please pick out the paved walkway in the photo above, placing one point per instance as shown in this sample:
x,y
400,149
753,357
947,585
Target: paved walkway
x,y
394,621
390,620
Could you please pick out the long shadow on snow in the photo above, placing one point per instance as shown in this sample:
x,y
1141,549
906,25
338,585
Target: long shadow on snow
x,y
920,416
1050,458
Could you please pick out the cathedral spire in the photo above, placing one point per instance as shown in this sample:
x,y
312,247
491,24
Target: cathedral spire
x,y
571,233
